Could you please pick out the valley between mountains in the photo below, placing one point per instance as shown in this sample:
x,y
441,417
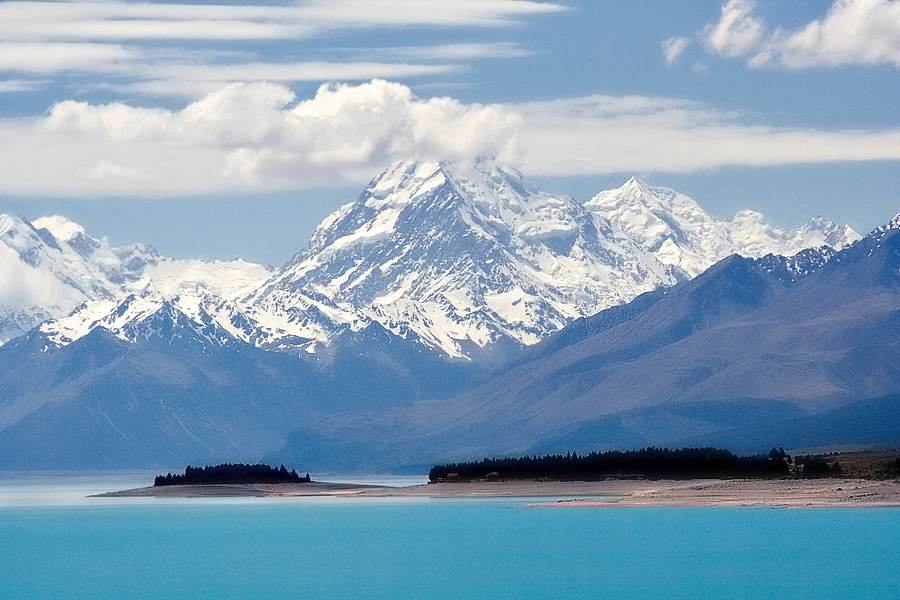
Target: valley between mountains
x,y
452,311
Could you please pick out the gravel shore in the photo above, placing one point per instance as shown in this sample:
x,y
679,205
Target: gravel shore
x,y
787,493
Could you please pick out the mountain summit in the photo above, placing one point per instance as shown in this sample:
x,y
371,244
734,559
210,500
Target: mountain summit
x,y
465,256
678,232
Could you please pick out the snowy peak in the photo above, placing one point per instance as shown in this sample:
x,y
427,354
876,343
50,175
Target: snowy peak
x,y
460,256
889,226
678,232
374,215
753,235
44,277
820,231
669,225
51,266
60,227
496,199
463,255
143,317
466,254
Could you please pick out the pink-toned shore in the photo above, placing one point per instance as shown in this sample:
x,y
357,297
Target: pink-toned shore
x,y
783,493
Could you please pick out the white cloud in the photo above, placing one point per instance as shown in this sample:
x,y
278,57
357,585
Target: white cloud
x,y
107,170
673,48
258,137
33,57
21,85
120,41
453,51
852,32
602,134
194,74
286,72
113,20
738,32
243,137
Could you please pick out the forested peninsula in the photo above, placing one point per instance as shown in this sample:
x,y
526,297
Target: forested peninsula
x,y
231,474
649,463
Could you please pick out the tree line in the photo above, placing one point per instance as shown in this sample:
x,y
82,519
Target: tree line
x,y
231,473
651,463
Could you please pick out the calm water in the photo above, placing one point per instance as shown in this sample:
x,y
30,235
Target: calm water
x,y
366,549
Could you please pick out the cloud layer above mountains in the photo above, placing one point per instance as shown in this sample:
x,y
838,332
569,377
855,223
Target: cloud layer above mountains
x,y
175,99
259,137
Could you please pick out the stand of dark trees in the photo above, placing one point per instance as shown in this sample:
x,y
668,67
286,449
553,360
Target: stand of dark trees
x,y
815,466
652,463
229,473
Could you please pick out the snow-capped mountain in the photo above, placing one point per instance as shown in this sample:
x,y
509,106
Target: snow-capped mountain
x,y
50,267
463,255
460,257
678,232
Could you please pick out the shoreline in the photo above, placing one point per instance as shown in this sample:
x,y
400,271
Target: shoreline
x,y
236,490
776,493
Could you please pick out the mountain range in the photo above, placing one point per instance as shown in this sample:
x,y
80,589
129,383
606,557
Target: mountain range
x,y
789,351
469,258
438,274
50,267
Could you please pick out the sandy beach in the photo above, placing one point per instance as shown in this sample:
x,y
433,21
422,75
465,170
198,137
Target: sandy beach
x,y
784,493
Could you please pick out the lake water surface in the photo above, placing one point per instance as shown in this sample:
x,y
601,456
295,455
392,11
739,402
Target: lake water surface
x,y
436,549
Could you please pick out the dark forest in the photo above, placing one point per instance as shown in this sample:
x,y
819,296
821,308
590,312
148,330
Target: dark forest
x,y
233,474
652,463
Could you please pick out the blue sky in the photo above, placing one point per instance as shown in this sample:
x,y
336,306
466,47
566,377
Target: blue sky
x,y
230,129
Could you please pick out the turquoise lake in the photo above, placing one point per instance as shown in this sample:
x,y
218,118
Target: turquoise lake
x,y
441,549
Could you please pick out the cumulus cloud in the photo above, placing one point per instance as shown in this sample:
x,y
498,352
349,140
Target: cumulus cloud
x,y
852,32
244,137
738,31
673,48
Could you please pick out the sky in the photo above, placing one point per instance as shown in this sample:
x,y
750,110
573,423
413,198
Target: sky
x,y
232,128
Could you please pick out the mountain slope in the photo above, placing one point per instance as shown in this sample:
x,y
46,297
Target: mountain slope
x,y
179,392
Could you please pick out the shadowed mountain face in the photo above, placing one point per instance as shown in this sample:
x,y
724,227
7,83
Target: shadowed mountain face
x,y
749,354
179,396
